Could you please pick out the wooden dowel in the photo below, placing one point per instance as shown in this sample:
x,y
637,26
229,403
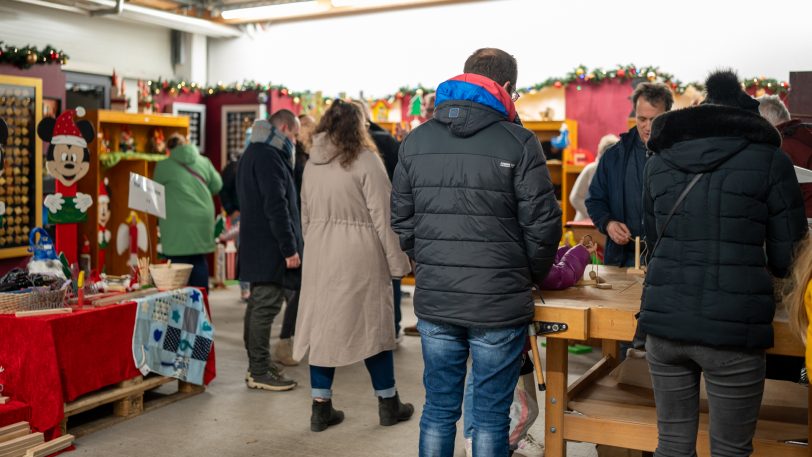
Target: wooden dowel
x,y
43,312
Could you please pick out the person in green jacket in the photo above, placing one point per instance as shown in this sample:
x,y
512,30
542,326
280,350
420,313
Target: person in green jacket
x,y
187,233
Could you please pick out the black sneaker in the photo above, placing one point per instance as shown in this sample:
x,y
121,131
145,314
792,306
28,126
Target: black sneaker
x,y
273,380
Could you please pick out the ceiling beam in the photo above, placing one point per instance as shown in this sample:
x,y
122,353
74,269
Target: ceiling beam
x,y
331,11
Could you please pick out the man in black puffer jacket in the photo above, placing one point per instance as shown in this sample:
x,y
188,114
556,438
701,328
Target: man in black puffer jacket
x,y
708,301
473,203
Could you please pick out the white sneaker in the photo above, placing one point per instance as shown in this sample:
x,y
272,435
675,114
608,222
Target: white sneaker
x,y
529,447
469,447
399,337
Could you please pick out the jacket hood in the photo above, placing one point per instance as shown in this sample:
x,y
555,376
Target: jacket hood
x,y
468,103
186,154
323,150
701,138
797,130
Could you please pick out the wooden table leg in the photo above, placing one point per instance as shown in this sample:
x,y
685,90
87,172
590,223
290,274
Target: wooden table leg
x,y
611,348
556,397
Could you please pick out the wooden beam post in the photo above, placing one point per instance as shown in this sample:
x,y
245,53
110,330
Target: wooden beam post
x,y
556,397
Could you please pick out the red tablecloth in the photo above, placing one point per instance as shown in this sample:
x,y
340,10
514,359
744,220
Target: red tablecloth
x,y
51,360
13,412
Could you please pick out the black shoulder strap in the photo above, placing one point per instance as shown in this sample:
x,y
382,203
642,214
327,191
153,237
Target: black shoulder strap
x,y
674,209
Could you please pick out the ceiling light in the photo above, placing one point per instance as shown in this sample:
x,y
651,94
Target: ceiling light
x,y
358,3
276,11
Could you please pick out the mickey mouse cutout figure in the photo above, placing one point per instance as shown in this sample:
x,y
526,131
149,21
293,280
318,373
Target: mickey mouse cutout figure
x,y
67,160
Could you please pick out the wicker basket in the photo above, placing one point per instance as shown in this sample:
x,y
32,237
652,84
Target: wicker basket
x,y
170,276
32,300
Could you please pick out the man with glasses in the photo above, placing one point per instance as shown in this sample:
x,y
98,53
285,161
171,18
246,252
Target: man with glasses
x,y
473,204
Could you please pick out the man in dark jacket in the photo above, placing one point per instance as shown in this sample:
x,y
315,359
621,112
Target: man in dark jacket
x,y
473,204
614,203
270,239
708,302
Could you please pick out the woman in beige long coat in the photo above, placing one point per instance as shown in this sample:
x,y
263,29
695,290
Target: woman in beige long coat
x,y
351,254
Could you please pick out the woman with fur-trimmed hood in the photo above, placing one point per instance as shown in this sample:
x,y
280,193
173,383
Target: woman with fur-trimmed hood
x,y
723,211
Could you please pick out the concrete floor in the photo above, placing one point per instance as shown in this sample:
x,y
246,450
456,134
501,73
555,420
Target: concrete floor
x,y
231,420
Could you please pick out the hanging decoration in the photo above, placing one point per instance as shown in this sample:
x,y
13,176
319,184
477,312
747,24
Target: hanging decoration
x,y
28,56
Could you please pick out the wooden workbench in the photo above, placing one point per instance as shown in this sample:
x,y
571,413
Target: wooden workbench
x,y
597,409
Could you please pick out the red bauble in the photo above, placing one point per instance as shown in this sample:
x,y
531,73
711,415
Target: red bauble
x,y
558,84
621,73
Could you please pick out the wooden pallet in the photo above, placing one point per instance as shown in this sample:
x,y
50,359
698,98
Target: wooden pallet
x,y
128,400
16,440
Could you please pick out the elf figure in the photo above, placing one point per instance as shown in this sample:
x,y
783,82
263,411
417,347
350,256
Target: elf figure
x,y
67,160
104,235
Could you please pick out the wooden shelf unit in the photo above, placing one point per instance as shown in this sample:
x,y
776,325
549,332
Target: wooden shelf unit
x,y
109,124
563,173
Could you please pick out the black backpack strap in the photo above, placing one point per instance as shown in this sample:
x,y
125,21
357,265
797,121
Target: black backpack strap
x,y
677,204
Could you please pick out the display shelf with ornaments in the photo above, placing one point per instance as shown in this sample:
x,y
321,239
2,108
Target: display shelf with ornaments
x,y
21,159
145,132
563,171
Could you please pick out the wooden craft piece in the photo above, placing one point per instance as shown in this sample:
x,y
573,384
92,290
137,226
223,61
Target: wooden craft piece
x,y
121,298
18,446
55,445
43,312
14,431
637,270
4,400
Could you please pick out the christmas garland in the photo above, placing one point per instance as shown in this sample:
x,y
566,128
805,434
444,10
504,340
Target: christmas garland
x,y
29,56
580,76
173,87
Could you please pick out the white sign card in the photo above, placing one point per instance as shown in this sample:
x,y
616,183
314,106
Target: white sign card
x,y
147,195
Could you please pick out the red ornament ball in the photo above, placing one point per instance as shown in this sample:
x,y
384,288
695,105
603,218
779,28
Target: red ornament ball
x,y
621,73
558,84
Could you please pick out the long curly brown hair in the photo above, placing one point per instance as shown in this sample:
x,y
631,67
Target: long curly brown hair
x,y
345,126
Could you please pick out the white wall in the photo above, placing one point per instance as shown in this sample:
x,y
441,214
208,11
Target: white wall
x,y
381,52
95,45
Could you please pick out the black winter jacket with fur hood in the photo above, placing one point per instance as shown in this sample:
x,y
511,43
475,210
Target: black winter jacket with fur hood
x,y
709,280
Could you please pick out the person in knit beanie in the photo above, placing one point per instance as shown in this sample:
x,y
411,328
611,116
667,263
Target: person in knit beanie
x,y
722,214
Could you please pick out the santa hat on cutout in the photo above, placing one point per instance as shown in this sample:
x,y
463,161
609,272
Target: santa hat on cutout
x,y
66,132
104,197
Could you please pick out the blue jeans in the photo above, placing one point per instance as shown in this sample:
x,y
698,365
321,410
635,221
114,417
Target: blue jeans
x,y
381,369
497,359
398,295
200,268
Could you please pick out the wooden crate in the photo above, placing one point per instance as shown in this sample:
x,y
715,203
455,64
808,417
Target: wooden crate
x,y
129,399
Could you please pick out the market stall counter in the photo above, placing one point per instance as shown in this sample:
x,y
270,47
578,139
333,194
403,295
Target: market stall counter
x,y
613,404
51,361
